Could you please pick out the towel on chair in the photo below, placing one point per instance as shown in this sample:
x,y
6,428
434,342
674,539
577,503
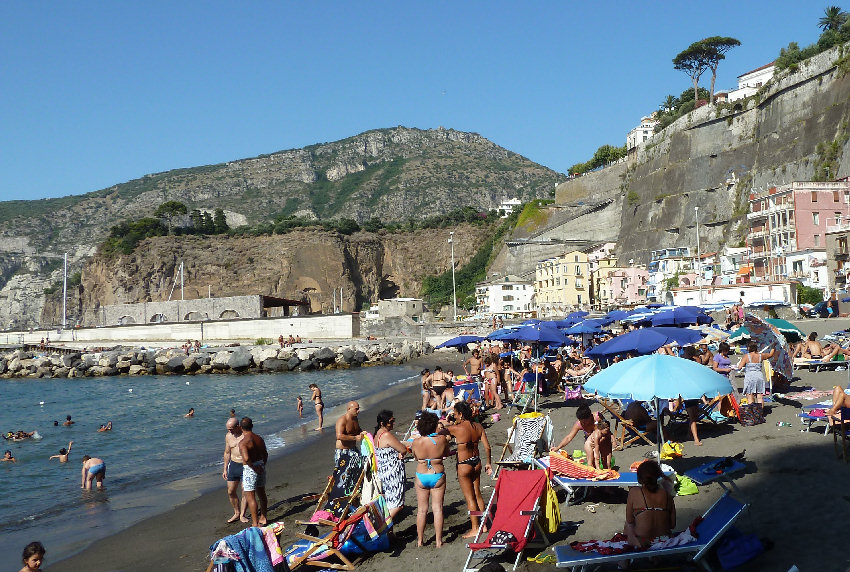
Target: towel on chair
x,y
251,549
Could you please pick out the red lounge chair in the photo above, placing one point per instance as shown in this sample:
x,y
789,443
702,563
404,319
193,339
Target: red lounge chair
x,y
513,509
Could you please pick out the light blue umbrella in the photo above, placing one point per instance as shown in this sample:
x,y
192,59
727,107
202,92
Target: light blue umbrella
x,y
655,377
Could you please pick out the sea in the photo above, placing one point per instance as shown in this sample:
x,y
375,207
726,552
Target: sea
x,y
155,457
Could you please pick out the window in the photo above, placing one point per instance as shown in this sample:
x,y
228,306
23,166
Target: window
x,y
507,298
578,270
835,197
566,281
579,298
814,196
816,219
576,258
507,287
557,281
837,219
817,240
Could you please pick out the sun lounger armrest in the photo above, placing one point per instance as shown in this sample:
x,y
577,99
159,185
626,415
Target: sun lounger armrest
x,y
308,537
318,521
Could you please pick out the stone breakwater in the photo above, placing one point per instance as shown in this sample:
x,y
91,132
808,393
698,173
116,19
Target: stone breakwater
x,y
174,361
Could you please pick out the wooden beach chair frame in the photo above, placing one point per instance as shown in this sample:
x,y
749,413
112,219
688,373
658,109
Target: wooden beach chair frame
x,y
625,431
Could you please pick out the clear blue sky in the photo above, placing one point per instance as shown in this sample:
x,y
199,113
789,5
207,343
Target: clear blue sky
x,y
98,93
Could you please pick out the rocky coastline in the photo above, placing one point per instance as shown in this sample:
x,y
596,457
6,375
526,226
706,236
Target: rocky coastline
x,y
123,360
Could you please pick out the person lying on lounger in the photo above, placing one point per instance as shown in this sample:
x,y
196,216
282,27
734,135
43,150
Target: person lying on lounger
x,y
840,398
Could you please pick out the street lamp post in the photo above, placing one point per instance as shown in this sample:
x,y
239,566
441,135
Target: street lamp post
x,y
699,256
454,286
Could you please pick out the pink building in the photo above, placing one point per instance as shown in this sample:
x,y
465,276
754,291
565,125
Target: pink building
x,y
790,220
626,285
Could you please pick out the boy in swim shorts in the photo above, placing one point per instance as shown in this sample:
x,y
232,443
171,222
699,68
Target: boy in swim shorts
x,y
94,469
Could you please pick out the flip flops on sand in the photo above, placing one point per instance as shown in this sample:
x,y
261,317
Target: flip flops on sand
x,y
543,558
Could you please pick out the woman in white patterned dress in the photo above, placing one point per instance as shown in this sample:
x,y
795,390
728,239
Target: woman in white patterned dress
x,y
389,452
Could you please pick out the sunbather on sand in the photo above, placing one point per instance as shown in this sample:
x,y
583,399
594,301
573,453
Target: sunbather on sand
x,y
840,398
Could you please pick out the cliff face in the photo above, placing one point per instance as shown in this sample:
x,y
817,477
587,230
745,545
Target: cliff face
x,y
366,266
715,156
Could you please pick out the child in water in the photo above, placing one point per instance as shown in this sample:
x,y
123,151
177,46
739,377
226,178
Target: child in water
x,y
601,445
63,453
33,556
299,406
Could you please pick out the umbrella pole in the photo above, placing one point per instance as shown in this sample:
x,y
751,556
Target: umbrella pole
x,y
659,418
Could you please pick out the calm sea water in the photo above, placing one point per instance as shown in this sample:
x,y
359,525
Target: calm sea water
x,y
151,447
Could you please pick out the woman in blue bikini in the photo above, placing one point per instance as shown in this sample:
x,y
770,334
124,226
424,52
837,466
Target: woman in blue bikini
x,y
429,450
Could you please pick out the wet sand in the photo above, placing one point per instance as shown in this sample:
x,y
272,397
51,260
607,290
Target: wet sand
x,y
793,480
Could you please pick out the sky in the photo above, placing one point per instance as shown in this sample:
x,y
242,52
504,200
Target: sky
x,y
94,94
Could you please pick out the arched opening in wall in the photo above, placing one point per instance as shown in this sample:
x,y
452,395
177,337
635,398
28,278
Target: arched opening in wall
x,y
158,318
195,316
124,320
738,107
229,315
685,282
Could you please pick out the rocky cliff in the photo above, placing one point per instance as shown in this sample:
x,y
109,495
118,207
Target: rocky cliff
x,y
366,266
391,174
715,156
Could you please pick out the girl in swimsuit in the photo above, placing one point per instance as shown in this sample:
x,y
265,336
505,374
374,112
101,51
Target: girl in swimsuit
x,y
316,397
426,387
650,511
438,386
468,434
430,480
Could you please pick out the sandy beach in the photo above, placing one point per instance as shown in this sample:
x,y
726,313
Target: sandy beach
x,y
793,481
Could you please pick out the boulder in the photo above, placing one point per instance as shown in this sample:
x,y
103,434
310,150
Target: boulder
x,y
325,356
293,363
190,364
2,365
274,364
206,368
174,365
14,365
220,359
61,372
239,360
285,354
306,365
347,355
137,369
360,357
261,353
202,359
70,359
44,371
304,353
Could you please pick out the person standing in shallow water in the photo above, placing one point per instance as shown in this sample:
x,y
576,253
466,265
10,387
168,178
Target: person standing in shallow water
x,y
316,398
94,469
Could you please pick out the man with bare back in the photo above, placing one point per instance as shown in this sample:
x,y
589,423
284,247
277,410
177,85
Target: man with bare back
x,y
254,457
347,459
475,363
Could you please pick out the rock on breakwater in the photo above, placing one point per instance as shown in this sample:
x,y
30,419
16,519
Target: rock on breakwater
x,y
227,359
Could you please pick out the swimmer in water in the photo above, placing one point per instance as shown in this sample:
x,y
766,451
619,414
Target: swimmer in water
x,y
68,421
7,456
107,427
63,453
191,412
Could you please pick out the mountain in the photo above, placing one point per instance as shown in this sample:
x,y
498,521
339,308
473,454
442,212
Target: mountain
x,y
392,174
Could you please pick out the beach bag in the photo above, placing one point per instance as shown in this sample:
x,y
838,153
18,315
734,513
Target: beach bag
x,y
671,450
747,415
685,486
736,549
550,517
571,393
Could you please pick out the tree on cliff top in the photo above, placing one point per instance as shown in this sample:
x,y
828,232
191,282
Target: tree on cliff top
x,y
716,48
693,61
833,18
168,210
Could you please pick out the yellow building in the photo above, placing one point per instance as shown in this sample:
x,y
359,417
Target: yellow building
x,y
561,284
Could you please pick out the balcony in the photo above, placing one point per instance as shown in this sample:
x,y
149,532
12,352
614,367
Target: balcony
x,y
841,255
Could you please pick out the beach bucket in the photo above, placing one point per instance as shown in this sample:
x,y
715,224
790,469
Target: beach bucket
x,y
496,417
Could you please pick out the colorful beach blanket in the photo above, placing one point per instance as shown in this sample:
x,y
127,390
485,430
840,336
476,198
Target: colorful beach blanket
x,y
562,464
809,394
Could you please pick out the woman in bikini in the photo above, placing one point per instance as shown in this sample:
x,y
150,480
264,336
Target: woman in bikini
x,y
490,374
425,376
430,480
439,383
467,435
650,511
316,397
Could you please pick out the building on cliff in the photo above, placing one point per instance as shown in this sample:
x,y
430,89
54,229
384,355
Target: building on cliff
x,y
562,284
788,227
750,82
642,133
507,297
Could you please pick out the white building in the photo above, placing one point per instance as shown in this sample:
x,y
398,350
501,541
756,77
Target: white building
x,y
809,267
750,82
640,134
732,262
507,207
665,264
507,297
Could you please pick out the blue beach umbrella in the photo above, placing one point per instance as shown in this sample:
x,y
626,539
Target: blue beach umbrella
x,y
566,322
499,334
579,314
617,315
655,377
644,341
460,342
680,316
583,328
538,334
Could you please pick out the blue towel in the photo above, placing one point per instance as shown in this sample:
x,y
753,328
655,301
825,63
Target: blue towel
x,y
251,549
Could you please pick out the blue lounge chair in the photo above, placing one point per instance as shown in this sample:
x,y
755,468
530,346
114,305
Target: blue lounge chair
x,y
571,486
717,521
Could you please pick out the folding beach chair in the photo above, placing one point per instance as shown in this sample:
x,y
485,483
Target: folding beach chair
x,y
365,531
625,431
526,397
716,521
841,425
339,495
526,430
574,383
510,518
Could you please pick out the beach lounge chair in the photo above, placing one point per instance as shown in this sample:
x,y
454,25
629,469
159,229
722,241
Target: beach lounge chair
x,y
363,532
523,435
716,521
579,380
573,486
526,397
625,431
513,509
340,494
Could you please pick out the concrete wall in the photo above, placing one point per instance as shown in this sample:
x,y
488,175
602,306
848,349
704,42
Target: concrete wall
x,y
308,327
178,311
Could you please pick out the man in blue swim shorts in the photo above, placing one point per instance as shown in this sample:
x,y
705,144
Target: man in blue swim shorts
x,y
94,469
232,472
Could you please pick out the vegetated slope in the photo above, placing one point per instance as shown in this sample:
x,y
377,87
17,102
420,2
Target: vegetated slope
x,y
392,174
